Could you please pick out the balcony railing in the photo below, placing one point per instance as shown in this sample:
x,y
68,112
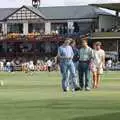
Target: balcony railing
x,y
31,36
106,35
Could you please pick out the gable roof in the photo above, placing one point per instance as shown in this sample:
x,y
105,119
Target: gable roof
x,y
72,12
4,12
35,10
57,13
32,9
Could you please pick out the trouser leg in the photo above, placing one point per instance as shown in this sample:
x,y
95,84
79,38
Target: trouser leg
x,y
87,76
64,73
73,75
81,75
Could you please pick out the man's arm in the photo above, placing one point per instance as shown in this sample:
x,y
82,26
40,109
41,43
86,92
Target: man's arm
x,y
91,54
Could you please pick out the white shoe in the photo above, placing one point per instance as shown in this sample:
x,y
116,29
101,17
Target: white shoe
x,y
73,90
87,89
67,89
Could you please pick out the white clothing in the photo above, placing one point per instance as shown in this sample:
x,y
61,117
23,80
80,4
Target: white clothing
x,y
31,65
8,64
49,63
98,58
109,63
97,63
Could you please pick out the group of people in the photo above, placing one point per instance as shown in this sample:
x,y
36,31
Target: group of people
x,y
76,65
26,65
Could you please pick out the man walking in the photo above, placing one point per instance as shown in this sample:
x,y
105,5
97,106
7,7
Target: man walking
x,y
65,53
85,56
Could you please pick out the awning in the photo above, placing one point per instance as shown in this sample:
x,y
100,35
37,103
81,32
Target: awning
x,y
111,6
105,38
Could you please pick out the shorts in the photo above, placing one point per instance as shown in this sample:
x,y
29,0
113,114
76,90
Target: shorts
x,y
97,69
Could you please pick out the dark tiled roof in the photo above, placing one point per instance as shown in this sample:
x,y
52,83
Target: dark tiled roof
x,y
37,11
4,12
60,12
72,12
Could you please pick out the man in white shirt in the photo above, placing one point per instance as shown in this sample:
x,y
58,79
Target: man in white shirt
x,y
8,66
31,66
49,64
98,64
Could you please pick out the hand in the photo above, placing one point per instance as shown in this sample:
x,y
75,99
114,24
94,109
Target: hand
x,y
70,58
103,66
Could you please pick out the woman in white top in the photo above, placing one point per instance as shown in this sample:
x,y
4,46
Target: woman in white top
x,y
97,64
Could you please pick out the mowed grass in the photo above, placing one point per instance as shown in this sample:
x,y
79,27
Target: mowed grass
x,y
39,97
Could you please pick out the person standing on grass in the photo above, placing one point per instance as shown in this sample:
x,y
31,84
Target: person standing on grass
x,y
49,64
65,54
85,56
98,64
75,58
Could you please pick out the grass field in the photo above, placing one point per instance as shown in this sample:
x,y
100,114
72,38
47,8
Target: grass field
x,y
39,97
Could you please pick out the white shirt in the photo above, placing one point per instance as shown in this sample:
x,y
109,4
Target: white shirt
x,y
109,63
98,57
8,63
1,64
49,63
31,63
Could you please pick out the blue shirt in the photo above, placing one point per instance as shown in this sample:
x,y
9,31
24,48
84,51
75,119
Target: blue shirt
x,y
65,51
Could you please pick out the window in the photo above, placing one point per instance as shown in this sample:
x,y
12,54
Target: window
x,y
15,28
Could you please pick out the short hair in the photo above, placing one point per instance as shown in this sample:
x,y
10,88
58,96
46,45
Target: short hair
x,y
73,41
68,39
98,43
84,39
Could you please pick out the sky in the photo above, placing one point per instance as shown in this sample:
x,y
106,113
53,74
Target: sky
x,y
19,3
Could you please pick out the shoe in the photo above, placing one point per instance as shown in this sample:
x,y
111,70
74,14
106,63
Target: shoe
x,y
64,90
67,89
87,89
73,90
77,89
81,89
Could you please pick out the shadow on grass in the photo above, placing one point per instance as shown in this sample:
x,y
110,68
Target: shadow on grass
x,y
112,116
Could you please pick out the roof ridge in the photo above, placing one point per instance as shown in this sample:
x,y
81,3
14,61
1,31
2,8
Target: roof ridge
x,y
37,10
64,6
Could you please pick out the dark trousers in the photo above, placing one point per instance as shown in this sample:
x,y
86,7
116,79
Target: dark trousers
x,y
84,70
49,68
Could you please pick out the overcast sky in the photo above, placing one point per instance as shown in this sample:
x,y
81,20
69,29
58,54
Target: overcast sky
x,y
18,3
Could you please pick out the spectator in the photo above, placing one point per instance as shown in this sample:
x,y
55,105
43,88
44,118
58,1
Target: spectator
x,y
49,64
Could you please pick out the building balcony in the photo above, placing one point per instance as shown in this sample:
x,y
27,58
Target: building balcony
x,y
31,37
106,35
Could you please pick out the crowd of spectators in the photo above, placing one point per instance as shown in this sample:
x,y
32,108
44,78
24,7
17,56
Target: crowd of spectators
x,y
112,29
25,64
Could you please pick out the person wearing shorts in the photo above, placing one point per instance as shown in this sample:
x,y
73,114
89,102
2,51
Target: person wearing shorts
x,y
97,64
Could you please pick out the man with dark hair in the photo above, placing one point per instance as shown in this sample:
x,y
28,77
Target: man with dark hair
x,y
85,56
